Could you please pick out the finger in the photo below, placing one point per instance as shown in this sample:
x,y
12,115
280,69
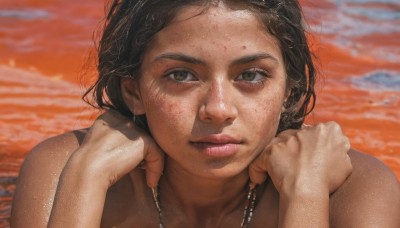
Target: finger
x,y
289,132
284,136
154,164
347,144
258,170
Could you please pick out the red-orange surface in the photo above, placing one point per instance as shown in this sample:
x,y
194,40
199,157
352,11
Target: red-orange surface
x,y
44,66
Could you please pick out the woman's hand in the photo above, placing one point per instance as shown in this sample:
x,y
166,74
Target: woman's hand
x,y
305,166
313,158
114,146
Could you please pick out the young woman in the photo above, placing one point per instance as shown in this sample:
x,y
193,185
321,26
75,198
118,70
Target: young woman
x,y
205,102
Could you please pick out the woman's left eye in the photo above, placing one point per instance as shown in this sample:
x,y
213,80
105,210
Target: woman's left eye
x,y
181,76
254,75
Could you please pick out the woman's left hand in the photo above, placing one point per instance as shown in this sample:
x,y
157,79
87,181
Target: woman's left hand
x,y
305,166
314,158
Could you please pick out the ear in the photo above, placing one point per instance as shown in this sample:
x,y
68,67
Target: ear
x,y
131,95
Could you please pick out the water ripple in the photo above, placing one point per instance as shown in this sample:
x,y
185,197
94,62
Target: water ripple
x,y
355,20
27,14
347,22
7,186
379,80
371,1
374,14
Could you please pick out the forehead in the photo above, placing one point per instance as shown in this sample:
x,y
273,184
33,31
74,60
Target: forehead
x,y
202,29
211,11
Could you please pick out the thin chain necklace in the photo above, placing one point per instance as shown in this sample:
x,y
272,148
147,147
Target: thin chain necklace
x,y
247,213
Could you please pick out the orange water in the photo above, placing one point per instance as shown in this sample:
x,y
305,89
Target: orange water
x,y
44,45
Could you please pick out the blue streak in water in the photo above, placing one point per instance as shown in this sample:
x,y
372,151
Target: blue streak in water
x,y
24,14
370,1
379,80
373,13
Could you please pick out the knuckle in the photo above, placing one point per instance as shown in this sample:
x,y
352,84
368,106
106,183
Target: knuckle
x,y
274,148
331,123
295,139
321,125
335,126
347,143
349,166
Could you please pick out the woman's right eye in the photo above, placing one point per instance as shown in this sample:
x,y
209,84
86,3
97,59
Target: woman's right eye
x,y
181,76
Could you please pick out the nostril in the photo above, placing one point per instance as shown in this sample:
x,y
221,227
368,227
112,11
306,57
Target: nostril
x,y
218,104
219,111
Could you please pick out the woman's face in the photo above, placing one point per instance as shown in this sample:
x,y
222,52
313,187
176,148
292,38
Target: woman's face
x,y
212,86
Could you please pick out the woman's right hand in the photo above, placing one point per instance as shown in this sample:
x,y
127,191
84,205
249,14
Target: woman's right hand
x,y
114,146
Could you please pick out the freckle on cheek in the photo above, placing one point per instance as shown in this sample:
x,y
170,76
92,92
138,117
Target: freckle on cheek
x,y
244,47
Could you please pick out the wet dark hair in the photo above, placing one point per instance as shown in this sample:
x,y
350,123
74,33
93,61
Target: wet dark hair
x,y
131,24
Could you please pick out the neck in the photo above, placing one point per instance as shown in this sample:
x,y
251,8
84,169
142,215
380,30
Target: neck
x,y
201,197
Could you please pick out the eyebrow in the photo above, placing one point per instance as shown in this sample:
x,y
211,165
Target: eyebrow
x,y
192,60
255,57
179,57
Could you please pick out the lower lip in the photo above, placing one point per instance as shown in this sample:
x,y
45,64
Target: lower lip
x,y
217,150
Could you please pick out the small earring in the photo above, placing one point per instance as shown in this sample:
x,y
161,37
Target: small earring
x,y
134,118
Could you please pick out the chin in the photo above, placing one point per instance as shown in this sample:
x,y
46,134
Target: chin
x,y
219,170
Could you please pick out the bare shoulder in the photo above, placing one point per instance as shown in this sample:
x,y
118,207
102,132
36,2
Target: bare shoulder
x,y
55,150
370,197
38,179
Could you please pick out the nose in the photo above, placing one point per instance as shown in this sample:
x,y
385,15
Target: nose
x,y
218,105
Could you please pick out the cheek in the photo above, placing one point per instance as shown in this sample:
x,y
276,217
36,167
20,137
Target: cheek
x,y
264,115
169,119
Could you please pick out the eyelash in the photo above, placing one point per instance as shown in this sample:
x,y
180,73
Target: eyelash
x,y
175,71
257,83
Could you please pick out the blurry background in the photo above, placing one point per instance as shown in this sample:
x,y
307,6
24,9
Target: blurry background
x,y
45,65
